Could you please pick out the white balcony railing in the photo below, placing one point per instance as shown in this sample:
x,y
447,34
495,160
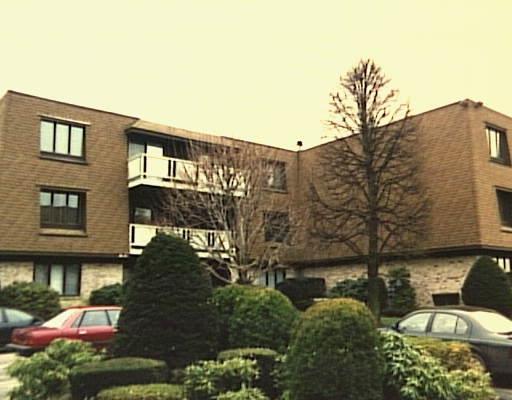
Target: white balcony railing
x,y
145,169
204,241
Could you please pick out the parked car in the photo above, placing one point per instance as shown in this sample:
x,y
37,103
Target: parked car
x,y
488,333
95,324
11,319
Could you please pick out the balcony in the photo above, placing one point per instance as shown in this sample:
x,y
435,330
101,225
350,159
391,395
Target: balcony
x,y
168,172
203,241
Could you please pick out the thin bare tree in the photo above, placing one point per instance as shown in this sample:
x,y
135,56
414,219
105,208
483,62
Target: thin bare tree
x,y
366,194
237,220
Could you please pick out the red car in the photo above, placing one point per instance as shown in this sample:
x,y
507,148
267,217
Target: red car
x,y
95,324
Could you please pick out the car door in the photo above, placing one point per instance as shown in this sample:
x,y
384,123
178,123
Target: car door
x,y
95,327
415,324
449,326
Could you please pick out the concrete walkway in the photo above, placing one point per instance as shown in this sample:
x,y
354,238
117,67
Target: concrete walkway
x,y
6,382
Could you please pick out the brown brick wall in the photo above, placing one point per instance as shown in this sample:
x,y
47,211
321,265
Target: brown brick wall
x,y
23,172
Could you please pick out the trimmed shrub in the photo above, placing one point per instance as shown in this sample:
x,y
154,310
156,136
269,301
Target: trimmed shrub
x,y
45,374
243,394
487,285
401,295
110,295
334,354
253,316
452,355
34,298
89,379
302,291
167,311
411,374
267,361
206,379
155,391
358,289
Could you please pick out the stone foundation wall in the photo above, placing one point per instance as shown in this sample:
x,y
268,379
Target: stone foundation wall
x,y
428,275
12,271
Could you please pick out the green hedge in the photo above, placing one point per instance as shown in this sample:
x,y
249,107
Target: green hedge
x,y
453,355
334,354
358,289
110,295
302,291
267,361
243,394
252,316
155,391
89,379
34,298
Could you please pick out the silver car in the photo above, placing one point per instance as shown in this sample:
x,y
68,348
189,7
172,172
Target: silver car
x,y
488,333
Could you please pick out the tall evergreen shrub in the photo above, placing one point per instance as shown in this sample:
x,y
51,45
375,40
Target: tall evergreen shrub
x,y
167,313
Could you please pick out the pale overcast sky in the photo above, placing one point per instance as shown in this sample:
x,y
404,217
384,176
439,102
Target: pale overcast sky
x,y
260,70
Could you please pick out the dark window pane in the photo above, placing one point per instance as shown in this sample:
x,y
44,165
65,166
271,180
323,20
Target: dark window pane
x,y
46,143
277,226
505,207
142,215
77,134
114,316
41,274
72,280
95,318
62,139
60,209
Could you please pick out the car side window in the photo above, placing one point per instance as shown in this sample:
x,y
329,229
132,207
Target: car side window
x,y
2,318
17,316
95,318
114,316
415,323
444,323
462,327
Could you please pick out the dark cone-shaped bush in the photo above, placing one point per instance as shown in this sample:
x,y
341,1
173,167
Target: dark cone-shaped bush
x,y
167,311
487,285
334,354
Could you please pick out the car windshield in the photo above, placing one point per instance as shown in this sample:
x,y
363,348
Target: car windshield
x,y
493,322
59,320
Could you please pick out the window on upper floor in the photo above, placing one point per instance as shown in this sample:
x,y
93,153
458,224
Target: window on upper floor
x,y
277,226
275,177
505,207
62,209
62,138
64,278
498,146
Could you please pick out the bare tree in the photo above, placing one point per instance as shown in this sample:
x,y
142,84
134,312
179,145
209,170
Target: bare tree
x,y
366,195
237,221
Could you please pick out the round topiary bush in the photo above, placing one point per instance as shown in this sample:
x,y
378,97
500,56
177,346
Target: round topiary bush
x,y
253,316
334,354
167,311
34,298
110,295
487,285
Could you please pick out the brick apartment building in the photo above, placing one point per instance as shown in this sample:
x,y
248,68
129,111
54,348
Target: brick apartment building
x,y
77,184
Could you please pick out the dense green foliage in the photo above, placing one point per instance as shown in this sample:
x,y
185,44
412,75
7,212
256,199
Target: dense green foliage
x,y
252,316
302,291
167,311
89,379
32,297
334,354
267,361
401,294
243,394
155,391
452,355
110,295
487,285
412,374
207,379
358,289
45,374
